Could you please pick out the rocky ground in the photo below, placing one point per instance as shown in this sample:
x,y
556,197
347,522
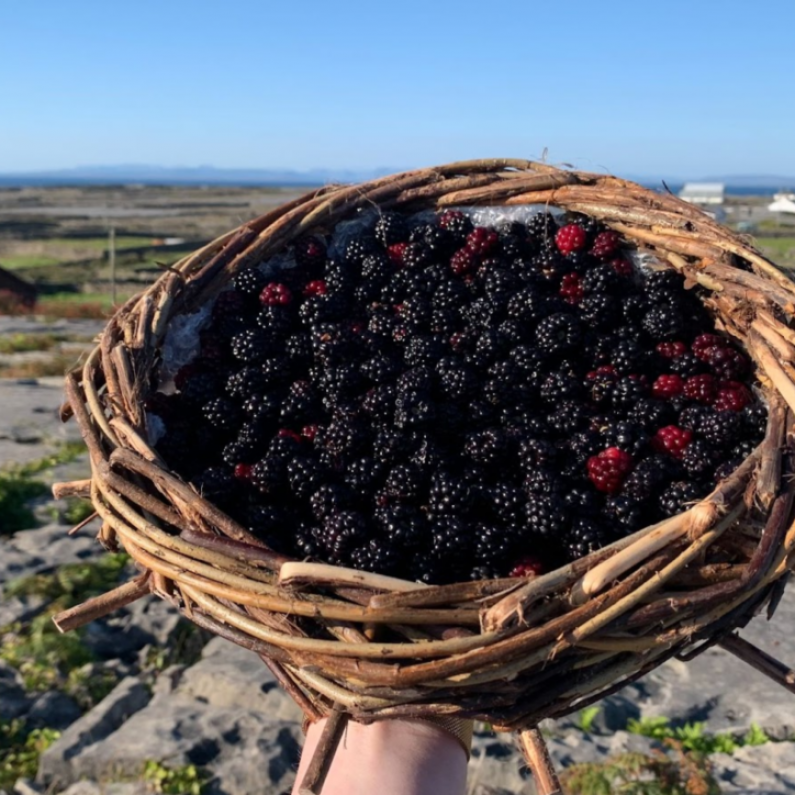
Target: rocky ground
x,y
173,699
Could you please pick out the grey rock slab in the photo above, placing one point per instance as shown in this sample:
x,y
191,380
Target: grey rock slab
x,y
768,767
14,702
86,787
53,709
57,763
24,786
232,677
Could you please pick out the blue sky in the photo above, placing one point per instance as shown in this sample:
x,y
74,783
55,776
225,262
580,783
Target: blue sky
x,y
639,88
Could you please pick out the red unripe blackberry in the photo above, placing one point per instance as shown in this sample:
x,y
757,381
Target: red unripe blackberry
x,y
527,566
243,472
571,237
396,253
608,469
482,240
463,261
571,288
732,396
667,386
701,388
703,342
315,287
275,294
310,252
726,362
622,267
605,244
672,440
671,350
286,433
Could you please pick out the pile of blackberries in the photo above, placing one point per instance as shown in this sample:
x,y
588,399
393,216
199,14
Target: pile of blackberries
x,y
441,401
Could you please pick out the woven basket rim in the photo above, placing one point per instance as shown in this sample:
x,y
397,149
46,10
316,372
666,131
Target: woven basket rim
x,y
474,649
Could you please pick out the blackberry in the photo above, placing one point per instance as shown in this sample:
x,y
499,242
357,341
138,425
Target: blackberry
x,y
457,225
245,382
627,436
600,311
362,474
391,228
691,417
602,279
266,522
414,409
679,496
581,446
269,475
221,414
340,533
241,452
507,503
375,557
600,388
542,481
404,482
424,350
650,476
403,526
569,416
626,393
534,452
652,414
263,407
435,237
560,386
305,475
494,547
389,445
699,460
277,320
558,334
345,435
686,365
624,513
380,368
215,483
456,379
720,428
528,306
275,370
584,537
379,402
301,403
546,515
628,357
743,449
664,322
450,540
581,501
252,345
754,419
298,348
664,286
356,250
486,447
635,307
417,254
310,254
330,499
543,226
725,469
449,494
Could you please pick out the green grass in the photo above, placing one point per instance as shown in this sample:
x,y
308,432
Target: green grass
x,y
19,485
64,249
20,749
185,780
693,737
25,343
21,261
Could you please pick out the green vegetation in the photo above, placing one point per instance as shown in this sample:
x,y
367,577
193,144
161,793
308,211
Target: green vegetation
x,y
185,780
779,249
678,772
77,510
44,657
21,261
586,717
20,749
25,343
693,737
18,486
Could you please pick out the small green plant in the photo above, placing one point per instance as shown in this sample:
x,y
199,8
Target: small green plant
x,y
20,750
677,772
693,736
24,343
185,780
585,718
77,510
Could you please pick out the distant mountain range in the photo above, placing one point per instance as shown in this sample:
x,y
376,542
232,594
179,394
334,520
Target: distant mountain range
x,y
209,175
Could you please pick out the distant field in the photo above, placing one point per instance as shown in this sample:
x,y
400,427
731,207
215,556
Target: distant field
x,y
780,249
51,251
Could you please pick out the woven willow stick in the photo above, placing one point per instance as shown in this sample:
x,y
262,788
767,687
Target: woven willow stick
x,y
760,660
535,752
292,573
315,776
99,606
73,488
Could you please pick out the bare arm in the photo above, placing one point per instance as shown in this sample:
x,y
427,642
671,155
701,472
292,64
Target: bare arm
x,y
391,757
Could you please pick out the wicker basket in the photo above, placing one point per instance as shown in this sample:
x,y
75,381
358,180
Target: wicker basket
x,y
507,651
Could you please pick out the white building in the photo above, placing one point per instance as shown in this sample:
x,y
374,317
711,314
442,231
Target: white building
x,y
782,203
703,192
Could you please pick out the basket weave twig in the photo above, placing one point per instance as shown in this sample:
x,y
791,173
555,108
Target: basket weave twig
x,y
510,652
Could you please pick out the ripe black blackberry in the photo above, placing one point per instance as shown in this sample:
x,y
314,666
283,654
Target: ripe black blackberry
x,y
558,334
599,388
543,481
494,547
603,279
628,436
625,513
418,254
250,282
720,429
528,305
252,345
585,536
664,287
581,501
245,382
679,496
241,451
345,435
506,503
579,447
375,557
686,365
725,469
754,418
600,311
457,225
425,349
301,403
628,357
626,393
486,447
650,476
456,379
449,494
652,414
664,322
305,476
277,320
380,368
330,499
200,387
391,228
342,532
699,460
543,226
405,482
743,449
402,526
222,414
310,254
216,484
635,306
451,540
536,452
356,249
269,475
568,416
276,370
415,409
435,237
559,386
263,407
547,516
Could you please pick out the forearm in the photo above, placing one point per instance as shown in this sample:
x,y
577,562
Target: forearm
x,y
391,757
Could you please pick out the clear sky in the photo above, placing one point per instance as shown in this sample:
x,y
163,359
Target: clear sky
x,y
638,87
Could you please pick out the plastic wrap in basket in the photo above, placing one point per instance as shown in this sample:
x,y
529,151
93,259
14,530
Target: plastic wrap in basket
x,y
512,652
